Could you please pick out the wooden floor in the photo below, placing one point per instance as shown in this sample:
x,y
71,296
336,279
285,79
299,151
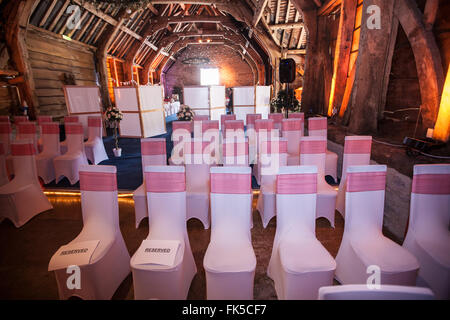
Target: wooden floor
x,y
26,252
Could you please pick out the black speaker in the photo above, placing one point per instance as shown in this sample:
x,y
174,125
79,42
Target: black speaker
x,y
287,70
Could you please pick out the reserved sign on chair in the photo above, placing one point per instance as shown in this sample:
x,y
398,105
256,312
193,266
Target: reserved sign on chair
x,y
160,252
77,253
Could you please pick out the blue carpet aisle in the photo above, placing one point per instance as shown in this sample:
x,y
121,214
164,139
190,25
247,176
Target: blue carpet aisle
x,y
129,166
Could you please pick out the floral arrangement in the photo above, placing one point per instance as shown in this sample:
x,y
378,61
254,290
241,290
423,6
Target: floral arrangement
x,y
285,102
114,116
185,113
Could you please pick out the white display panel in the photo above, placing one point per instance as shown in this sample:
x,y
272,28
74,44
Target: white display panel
x,y
262,101
126,99
243,102
217,102
197,98
130,126
152,110
83,101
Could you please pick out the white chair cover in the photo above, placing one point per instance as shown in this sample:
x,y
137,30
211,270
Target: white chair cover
x,y
250,119
67,119
312,153
68,164
292,131
428,237
199,157
51,150
299,264
153,153
110,262
181,133
166,198
94,147
363,244
4,178
264,130
277,120
272,157
40,121
235,151
385,292
230,261
318,127
22,198
356,153
233,129
6,138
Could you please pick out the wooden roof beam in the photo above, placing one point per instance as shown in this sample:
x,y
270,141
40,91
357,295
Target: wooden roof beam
x,y
259,11
286,26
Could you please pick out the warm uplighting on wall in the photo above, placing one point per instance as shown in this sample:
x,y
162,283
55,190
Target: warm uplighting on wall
x,y
442,127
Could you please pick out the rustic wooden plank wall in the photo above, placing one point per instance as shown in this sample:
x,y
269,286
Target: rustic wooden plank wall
x,y
50,59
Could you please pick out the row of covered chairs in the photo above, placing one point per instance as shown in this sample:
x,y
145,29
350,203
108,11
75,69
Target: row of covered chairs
x,y
299,264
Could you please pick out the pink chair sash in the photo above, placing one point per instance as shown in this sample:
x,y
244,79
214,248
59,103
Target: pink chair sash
x,y
26,128
5,128
263,125
164,182
226,117
97,181
357,146
2,149
313,147
276,117
22,149
252,117
366,181
234,125
305,183
274,147
18,119
210,124
186,125
50,128
4,118
70,119
231,183
201,118
150,148
43,119
95,122
317,124
431,184
297,115
194,146
291,125
74,128
240,149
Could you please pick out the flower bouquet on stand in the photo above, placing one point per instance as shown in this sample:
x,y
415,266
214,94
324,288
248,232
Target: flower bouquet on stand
x,y
114,116
285,102
185,113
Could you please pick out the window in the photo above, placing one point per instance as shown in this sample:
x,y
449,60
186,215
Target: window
x,y
209,76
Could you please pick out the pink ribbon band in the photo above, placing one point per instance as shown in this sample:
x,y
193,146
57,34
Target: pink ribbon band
x,y
263,125
2,149
227,117
357,146
197,147
151,148
50,128
273,147
231,183
5,128
201,118
305,183
234,125
431,184
43,119
76,128
22,149
252,117
313,147
276,117
317,124
26,128
210,124
366,181
18,119
186,125
4,118
95,122
164,182
297,115
291,125
97,181
70,119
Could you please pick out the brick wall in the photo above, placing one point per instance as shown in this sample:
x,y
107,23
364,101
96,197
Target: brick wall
x,y
233,70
